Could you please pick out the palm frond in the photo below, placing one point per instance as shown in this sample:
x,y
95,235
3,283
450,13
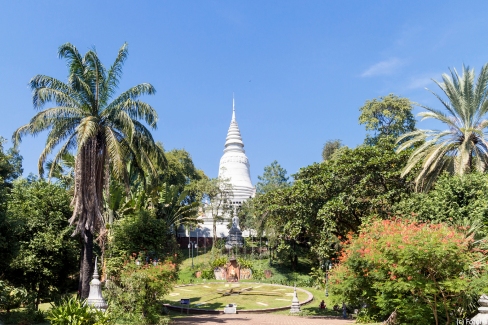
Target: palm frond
x,y
114,74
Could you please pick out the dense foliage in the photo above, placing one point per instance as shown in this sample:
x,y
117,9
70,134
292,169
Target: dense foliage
x,y
454,200
274,177
330,147
47,259
141,236
10,169
428,273
72,311
389,116
135,293
333,198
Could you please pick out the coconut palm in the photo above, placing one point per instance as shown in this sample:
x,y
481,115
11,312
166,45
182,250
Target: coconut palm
x,y
463,146
105,134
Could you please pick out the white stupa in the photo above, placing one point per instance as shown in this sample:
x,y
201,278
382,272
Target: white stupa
x,y
234,164
234,167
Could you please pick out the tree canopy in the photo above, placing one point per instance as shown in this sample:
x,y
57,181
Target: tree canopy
x,y
274,177
334,197
48,255
389,116
10,169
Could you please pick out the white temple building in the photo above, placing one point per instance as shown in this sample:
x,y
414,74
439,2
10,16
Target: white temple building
x,y
234,167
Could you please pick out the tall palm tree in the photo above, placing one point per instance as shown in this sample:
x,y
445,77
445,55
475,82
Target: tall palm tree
x,y
105,133
463,147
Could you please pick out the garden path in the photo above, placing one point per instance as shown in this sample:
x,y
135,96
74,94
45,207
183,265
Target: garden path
x,y
258,319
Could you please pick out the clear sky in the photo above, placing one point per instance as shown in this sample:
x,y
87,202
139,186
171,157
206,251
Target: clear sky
x,y
300,70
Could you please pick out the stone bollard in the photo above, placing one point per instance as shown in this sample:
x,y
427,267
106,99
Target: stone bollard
x,y
482,317
295,304
95,298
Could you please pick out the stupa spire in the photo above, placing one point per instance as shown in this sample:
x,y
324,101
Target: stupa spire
x,y
233,142
233,108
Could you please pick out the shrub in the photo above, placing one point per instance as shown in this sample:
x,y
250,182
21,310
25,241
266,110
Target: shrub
x,y
10,296
142,236
219,262
219,243
134,296
71,311
244,263
426,272
208,274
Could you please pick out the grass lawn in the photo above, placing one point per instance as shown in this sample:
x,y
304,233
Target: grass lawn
x,y
209,296
282,274
24,316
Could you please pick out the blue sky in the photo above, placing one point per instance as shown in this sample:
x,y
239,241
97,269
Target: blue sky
x,y
300,70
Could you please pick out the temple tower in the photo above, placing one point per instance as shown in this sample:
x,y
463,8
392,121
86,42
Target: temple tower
x,y
234,164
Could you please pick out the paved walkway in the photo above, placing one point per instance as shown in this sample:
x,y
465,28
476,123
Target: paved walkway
x,y
252,319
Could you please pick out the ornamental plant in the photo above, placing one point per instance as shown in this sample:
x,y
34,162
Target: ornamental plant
x,y
428,273
72,311
135,293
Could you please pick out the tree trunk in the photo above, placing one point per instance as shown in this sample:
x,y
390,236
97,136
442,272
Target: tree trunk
x,y
86,265
87,202
82,252
214,233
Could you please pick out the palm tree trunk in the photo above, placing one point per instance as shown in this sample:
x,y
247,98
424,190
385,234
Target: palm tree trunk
x,y
80,281
86,266
87,202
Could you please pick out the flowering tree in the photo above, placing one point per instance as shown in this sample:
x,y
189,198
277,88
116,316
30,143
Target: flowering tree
x,y
428,273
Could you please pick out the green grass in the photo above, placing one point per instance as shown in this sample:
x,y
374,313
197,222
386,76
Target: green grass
x,y
25,316
261,296
282,274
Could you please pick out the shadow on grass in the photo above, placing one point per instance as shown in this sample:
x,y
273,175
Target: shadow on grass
x,y
208,319
23,316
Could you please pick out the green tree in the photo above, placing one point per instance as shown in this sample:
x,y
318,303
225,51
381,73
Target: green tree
x,y
274,177
334,197
173,209
48,254
135,294
215,194
140,236
10,169
330,147
462,147
106,133
180,170
455,200
389,116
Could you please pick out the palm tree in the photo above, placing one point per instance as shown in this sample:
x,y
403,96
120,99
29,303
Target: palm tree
x,y
63,171
105,133
461,148
173,209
